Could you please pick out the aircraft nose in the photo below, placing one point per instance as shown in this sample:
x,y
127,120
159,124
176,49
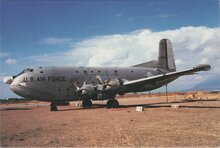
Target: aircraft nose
x,y
8,80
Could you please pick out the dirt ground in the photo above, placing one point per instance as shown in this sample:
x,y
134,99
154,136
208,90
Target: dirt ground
x,y
195,123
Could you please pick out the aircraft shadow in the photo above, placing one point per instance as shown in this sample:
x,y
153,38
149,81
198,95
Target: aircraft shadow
x,y
93,107
15,108
150,105
165,104
200,107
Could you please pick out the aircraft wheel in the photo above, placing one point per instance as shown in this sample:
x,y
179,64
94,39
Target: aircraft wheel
x,y
113,103
86,103
53,107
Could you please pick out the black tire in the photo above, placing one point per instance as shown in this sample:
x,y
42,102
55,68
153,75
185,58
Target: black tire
x,y
53,108
113,103
86,103
109,104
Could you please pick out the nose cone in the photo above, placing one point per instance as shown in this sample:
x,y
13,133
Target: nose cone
x,y
8,80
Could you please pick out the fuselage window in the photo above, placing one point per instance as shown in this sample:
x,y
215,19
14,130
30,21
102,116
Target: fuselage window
x,y
85,71
41,72
91,71
77,71
116,71
132,71
99,71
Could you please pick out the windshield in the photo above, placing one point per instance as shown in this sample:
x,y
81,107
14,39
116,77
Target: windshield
x,y
24,71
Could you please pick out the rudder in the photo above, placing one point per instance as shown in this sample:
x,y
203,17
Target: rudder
x,y
165,56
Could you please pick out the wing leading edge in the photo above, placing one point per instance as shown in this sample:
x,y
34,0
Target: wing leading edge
x,y
167,76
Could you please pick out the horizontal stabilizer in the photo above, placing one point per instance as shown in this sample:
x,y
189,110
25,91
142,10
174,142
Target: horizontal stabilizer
x,y
150,64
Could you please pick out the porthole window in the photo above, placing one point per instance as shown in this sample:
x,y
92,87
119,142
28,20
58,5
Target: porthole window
x,y
41,72
77,71
99,71
132,71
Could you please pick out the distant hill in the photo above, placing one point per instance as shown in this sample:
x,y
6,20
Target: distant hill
x,y
210,84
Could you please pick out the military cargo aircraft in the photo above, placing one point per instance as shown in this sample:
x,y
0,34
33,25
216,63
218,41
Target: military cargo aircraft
x,y
59,84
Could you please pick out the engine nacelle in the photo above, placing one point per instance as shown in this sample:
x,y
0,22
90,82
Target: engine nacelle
x,y
87,89
112,85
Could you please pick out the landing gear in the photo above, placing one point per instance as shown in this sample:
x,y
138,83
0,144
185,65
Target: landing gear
x,y
113,103
53,107
86,103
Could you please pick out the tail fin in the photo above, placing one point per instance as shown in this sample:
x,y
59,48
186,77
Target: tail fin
x,y
165,60
165,57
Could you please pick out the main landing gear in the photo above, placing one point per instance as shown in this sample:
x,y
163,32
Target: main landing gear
x,y
53,107
113,103
86,103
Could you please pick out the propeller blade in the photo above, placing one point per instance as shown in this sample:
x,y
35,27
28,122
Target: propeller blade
x,y
99,79
107,81
77,87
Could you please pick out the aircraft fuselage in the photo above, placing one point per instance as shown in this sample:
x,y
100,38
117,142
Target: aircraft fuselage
x,y
59,83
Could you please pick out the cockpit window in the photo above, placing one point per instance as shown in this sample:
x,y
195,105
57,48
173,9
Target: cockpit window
x,y
24,71
28,70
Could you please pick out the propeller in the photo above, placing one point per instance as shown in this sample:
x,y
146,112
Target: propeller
x,y
85,89
76,87
105,83
108,84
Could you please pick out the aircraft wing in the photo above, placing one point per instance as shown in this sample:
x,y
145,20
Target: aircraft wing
x,y
167,76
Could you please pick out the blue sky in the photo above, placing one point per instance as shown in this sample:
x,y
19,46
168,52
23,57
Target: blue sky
x,y
35,28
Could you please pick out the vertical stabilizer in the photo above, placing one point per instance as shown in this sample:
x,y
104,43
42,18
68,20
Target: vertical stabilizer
x,y
165,57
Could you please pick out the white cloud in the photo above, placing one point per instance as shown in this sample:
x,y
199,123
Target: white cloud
x,y
11,61
3,54
1,78
55,41
179,61
192,45
119,15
